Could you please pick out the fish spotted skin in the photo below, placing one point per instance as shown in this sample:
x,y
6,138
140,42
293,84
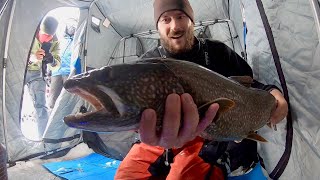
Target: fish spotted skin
x,y
121,92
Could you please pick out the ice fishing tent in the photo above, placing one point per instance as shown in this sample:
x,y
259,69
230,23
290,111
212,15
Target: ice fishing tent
x,y
293,39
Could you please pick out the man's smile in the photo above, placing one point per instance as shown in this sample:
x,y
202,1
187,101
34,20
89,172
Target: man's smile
x,y
176,36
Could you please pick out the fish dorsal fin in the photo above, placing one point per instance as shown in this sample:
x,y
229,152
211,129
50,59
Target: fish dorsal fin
x,y
246,81
225,105
256,137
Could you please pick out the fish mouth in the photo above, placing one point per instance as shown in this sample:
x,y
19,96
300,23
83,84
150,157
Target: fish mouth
x,y
92,99
102,103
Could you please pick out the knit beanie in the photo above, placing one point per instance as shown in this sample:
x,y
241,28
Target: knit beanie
x,y
161,6
49,25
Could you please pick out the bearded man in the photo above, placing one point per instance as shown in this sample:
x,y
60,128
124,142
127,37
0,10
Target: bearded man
x,y
177,152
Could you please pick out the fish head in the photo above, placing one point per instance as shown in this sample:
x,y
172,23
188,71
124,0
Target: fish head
x,y
106,89
119,94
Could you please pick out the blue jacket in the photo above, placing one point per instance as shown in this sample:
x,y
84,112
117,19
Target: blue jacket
x,y
65,55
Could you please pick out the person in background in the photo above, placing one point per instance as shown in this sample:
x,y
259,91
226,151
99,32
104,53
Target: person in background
x,y
44,54
177,151
60,75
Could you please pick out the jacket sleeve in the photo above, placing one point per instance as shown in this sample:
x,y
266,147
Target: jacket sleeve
x,y
35,47
241,68
259,85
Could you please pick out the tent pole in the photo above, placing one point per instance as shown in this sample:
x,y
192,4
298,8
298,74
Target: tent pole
x,y
113,52
3,7
5,58
87,35
316,12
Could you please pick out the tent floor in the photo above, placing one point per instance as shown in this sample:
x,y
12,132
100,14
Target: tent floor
x,y
33,169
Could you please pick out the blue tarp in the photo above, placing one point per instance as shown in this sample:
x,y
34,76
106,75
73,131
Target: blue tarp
x,y
96,166
91,167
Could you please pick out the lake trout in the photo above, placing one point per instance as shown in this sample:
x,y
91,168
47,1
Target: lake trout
x,y
120,93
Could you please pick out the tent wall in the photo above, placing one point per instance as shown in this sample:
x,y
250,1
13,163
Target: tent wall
x,y
79,40
103,42
226,33
293,28
142,22
127,50
3,33
134,17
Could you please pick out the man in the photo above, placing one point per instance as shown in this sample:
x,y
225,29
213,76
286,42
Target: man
x,y
59,76
189,156
44,53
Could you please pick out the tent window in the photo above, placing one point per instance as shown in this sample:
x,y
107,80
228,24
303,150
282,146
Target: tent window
x,y
95,24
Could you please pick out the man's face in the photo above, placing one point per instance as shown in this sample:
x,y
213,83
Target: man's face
x,y
70,30
44,37
176,31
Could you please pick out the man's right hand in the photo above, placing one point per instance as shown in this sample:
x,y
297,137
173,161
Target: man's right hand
x,y
172,133
40,54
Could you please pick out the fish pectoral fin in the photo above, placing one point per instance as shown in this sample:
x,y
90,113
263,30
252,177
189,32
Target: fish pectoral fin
x,y
256,137
246,81
225,105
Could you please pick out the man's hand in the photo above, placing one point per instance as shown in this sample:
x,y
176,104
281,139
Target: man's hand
x,y
172,133
281,110
40,54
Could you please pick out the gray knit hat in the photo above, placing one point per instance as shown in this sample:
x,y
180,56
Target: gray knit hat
x,y
161,6
49,25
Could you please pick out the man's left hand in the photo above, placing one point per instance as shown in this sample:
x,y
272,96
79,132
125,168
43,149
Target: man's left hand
x,y
281,110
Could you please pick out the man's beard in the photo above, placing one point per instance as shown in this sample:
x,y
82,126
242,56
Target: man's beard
x,y
167,44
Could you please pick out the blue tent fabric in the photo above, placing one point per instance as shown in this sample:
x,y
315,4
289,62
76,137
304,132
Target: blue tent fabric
x,y
91,167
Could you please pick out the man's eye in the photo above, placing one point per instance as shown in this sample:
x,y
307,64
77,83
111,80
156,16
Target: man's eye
x,y
181,16
165,20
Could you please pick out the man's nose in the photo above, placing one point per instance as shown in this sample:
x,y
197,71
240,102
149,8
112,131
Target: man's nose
x,y
175,25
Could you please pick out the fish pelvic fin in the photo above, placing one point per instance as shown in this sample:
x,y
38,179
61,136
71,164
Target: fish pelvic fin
x,y
246,81
256,137
225,105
